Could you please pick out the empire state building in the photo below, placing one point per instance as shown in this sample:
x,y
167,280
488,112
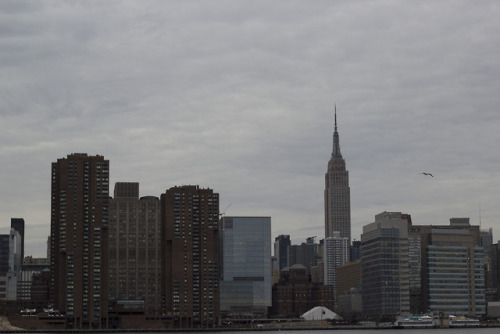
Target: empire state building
x,y
337,193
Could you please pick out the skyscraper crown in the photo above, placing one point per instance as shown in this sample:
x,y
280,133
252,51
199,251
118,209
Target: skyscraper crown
x,y
336,144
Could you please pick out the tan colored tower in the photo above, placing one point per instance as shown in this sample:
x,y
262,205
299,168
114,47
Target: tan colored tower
x,y
79,239
190,257
337,193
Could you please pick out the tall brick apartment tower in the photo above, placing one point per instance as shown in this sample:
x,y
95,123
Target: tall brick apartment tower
x,y
79,239
134,249
337,193
190,257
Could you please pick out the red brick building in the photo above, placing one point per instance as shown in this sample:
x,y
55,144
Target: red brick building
x,y
294,294
190,257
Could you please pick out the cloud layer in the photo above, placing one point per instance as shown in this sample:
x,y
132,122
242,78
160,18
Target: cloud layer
x,y
238,96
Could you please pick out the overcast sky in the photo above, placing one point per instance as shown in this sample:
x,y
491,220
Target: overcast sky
x,y
239,96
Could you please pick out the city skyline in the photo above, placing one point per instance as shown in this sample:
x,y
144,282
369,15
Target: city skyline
x,y
240,98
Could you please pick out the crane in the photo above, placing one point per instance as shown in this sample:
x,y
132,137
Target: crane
x,y
223,213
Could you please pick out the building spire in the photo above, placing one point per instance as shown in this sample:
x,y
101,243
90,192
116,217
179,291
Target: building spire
x,y
336,144
335,117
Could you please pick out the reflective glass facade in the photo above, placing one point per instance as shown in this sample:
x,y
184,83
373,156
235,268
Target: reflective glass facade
x,y
246,265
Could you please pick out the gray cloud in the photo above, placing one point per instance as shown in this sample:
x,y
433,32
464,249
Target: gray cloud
x,y
239,97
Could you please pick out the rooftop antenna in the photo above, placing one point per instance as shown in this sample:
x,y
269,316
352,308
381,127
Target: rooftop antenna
x,y
479,216
335,117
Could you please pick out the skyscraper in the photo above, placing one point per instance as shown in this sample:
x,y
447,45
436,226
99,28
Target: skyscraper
x,y
384,265
190,257
336,253
245,265
452,279
15,264
134,249
337,193
18,225
79,239
281,244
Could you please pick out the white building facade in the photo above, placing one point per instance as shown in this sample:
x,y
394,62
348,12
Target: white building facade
x,y
336,253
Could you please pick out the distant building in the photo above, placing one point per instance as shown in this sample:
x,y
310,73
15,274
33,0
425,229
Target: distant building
x,y
281,244
15,264
4,264
355,250
350,304
337,193
30,260
275,272
494,254
417,305
384,249
30,268
349,277
18,225
305,254
452,270
460,222
349,290
486,239
191,258
486,243
318,272
4,254
40,287
245,287
336,253
294,294
134,248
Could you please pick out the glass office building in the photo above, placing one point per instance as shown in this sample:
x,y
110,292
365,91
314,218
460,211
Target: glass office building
x,y
245,288
456,280
384,265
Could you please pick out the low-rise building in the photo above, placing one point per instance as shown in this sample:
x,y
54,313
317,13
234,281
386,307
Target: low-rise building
x,y
295,294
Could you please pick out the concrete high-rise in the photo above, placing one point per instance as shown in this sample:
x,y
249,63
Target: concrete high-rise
x,y
336,253
15,264
190,257
79,239
452,278
337,193
245,266
134,249
384,265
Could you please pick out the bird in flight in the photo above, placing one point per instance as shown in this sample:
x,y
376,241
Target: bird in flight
x,y
429,174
